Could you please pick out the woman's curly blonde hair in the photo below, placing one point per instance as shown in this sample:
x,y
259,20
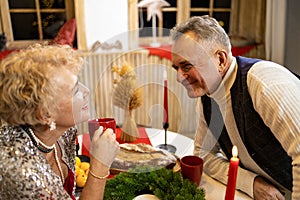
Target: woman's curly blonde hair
x,y
27,86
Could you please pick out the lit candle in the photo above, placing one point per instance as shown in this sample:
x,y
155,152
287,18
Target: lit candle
x,y
166,115
232,174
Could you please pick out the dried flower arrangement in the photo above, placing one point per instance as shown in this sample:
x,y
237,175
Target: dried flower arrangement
x,y
128,97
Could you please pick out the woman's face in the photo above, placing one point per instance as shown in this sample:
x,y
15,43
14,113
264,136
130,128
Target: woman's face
x,y
72,98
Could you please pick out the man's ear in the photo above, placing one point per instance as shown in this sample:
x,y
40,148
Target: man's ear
x,y
222,61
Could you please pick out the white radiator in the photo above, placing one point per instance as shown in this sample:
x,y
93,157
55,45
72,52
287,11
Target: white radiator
x,y
98,77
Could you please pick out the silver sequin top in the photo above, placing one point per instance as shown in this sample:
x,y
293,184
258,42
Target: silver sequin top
x,y
25,172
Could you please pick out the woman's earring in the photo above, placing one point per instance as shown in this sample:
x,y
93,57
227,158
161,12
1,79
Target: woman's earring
x,y
52,126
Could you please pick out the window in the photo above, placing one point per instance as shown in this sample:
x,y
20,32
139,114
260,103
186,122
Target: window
x,y
27,21
181,10
168,20
219,9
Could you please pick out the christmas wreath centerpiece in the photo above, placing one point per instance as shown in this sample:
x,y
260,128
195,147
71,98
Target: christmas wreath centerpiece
x,y
163,183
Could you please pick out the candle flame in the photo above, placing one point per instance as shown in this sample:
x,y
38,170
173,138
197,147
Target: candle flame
x,y
234,151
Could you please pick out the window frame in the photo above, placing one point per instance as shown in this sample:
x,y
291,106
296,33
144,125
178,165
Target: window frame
x,y
7,26
183,10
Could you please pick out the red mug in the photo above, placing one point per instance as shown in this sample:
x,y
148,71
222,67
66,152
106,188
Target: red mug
x,y
94,125
191,168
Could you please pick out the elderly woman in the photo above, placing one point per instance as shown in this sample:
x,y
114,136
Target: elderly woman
x,y
41,101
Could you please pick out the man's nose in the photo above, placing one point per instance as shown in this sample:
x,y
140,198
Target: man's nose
x,y
181,76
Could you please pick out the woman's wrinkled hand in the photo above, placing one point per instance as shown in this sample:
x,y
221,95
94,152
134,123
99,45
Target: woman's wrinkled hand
x,y
104,147
264,190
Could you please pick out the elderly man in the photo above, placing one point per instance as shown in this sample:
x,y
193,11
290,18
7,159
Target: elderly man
x,y
250,103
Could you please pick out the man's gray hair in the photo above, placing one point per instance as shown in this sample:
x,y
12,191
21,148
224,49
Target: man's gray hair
x,y
206,29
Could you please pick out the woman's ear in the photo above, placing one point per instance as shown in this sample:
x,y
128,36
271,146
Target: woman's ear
x,y
46,120
223,63
43,117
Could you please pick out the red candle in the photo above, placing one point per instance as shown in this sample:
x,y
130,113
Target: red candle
x,y
166,115
232,174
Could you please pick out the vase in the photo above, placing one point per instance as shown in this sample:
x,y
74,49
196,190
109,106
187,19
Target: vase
x,y
129,131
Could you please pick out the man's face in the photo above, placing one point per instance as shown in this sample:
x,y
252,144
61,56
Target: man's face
x,y
197,68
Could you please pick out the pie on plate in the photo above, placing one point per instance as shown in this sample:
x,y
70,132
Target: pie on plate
x,y
131,156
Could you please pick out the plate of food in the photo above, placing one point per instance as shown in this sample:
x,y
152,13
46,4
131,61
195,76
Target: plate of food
x,y
132,156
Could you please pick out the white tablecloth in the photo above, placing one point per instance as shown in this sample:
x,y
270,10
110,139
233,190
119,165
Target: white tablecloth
x,y
214,189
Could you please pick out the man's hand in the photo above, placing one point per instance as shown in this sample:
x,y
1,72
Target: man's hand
x,y
263,190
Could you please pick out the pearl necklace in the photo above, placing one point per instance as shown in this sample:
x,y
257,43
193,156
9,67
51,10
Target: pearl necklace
x,y
46,149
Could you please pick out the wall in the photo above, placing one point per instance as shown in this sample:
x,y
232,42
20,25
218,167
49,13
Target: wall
x,y
90,27
98,76
292,44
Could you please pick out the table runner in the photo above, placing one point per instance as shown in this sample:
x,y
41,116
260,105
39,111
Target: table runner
x,y
84,143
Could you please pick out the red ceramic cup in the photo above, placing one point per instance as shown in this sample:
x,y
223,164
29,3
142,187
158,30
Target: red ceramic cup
x,y
191,168
94,124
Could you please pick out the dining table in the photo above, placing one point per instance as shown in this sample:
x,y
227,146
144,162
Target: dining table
x,y
214,190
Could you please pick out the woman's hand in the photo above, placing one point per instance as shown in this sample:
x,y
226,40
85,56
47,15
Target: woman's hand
x,y
104,147
264,190
103,150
